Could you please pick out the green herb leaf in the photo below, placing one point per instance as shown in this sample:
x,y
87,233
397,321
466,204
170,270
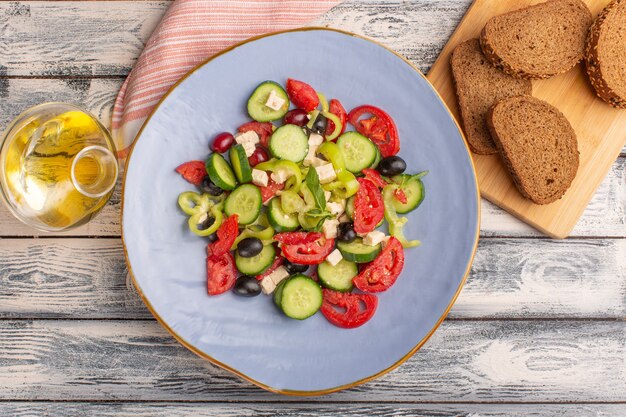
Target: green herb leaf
x,y
313,184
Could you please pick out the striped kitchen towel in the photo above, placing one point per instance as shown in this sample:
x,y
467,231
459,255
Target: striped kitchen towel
x,y
192,31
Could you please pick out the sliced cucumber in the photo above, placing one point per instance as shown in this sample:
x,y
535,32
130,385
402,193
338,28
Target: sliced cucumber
x,y
257,264
357,251
220,173
300,297
377,159
414,190
278,292
358,151
289,142
240,164
350,207
245,201
256,103
281,221
291,202
338,277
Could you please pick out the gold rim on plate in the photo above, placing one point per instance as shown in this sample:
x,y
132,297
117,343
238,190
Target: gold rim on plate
x,y
235,371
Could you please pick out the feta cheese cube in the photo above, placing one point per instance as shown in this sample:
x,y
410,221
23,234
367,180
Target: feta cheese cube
x,y
327,195
334,258
329,228
274,102
373,238
313,161
259,178
326,173
315,140
249,148
279,274
336,208
247,137
279,176
267,285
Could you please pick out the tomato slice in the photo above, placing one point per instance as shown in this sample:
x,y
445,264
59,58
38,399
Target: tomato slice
x,y
302,95
226,235
380,128
278,261
380,274
221,273
336,108
294,238
309,253
263,129
267,193
369,208
348,310
192,171
375,177
400,195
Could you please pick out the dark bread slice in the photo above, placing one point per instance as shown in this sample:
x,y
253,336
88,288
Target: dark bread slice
x,y
538,146
538,41
479,85
605,57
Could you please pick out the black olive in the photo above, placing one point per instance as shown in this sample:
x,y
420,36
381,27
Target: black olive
x,y
391,165
249,247
346,233
212,237
295,268
247,286
208,187
319,125
206,223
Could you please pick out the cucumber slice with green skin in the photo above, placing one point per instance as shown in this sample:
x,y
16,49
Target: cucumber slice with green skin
x,y
300,297
357,251
338,277
246,202
240,164
289,142
291,202
377,159
220,172
414,190
350,207
358,151
256,103
258,263
279,220
278,292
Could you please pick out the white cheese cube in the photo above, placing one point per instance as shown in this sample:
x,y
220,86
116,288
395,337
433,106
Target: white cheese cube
x,y
329,228
327,195
315,140
278,275
249,148
335,208
274,102
267,285
373,238
334,258
326,173
313,161
247,137
259,178
279,176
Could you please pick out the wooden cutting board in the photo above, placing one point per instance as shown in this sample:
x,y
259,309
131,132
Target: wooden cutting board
x,y
601,129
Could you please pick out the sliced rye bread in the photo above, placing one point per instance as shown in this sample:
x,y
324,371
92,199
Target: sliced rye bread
x,y
538,146
605,56
479,85
539,41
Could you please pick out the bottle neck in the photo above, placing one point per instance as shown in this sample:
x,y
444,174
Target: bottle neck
x,y
94,171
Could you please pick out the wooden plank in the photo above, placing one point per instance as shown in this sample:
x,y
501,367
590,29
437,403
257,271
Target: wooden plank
x,y
598,128
465,361
510,279
29,409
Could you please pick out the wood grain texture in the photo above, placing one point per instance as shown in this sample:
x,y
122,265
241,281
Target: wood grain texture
x,y
600,130
30,409
510,279
463,362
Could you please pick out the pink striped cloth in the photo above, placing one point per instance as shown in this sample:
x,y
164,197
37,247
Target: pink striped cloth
x,y
192,31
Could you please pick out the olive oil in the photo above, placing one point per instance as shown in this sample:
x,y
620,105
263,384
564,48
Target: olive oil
x,y
58,170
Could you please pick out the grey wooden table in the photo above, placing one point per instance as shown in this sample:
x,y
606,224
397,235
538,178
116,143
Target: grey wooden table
x,y
538,330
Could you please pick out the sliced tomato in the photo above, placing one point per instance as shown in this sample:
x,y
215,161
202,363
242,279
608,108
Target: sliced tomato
x,y
267,193
336,108
226,235
278,261
263,129
380,128
348,310
375,177
294,238
192,171
380,274
302,95
221,273
309,253
400,195
369,208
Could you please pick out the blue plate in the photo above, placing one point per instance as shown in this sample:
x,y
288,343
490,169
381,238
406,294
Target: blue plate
x,y
249,336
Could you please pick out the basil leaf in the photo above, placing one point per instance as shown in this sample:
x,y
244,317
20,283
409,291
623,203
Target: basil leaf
x,y
320,222
313,184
